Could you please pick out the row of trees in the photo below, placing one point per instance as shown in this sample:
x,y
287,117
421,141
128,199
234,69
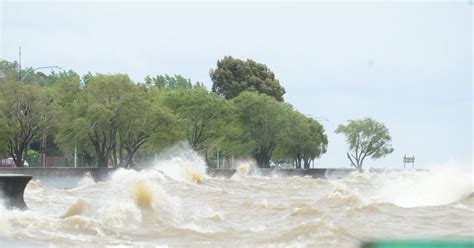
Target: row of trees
x,y
111,119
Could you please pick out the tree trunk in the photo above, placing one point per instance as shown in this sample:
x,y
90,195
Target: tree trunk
x,y
307,163
114,155
102,161
263,160
17,151
129,159
120,151
18,159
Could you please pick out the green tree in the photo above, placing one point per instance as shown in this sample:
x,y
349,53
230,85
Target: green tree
x,y
111,118
304,140
262,120
233,76
143,121
24,113
201,115
366,138
94,116
316,143
5,134
56,78
51,83
68,102
9,69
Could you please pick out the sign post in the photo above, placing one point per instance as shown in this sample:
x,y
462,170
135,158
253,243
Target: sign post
x,y
408,160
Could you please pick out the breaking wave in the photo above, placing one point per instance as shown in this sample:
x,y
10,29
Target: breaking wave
x,y
183,165
77,208
440,186
175,203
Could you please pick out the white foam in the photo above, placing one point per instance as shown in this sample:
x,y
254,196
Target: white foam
x,y
4,224
182,164
440,186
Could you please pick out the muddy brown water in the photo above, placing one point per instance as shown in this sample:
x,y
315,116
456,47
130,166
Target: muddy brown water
x,y
179,206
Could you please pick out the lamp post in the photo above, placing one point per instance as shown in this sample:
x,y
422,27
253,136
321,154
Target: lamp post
x,y
43,136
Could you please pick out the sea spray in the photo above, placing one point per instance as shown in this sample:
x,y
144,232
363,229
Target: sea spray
x,y
439,186
86,180
243,169
77,208
143,195
182,164
4,224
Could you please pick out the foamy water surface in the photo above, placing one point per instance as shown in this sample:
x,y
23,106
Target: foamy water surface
x,y
176,204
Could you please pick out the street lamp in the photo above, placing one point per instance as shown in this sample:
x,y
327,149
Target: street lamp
x,y
38,68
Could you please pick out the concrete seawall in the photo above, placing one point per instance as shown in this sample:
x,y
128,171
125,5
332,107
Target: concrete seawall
x,y
37,172
68,176
63,177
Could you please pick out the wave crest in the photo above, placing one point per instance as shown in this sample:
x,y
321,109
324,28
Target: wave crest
x,y
77,208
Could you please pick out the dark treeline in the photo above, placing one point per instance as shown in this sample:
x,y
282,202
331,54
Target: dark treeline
x,y
107,119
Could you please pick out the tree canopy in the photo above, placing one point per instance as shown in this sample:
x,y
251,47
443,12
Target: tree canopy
x,y
201,115
262,119
24,114
234,76
175,82
107,119
366,138
304,140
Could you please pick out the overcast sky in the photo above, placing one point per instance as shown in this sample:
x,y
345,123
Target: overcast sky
x,y
407,65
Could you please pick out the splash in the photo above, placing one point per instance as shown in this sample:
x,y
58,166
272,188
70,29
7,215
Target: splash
x,y
4,225
439,186
139,198
85,181
182,164
143,195
243,168
196,175
77,208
